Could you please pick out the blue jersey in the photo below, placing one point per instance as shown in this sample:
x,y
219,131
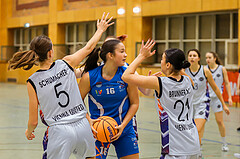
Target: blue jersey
x,y
108,98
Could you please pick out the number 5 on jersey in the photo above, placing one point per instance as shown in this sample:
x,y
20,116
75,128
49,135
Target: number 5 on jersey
x,y
58,93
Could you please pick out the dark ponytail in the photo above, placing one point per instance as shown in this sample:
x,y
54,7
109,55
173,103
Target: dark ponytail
x,y
108,46
92,60
177,58
186,64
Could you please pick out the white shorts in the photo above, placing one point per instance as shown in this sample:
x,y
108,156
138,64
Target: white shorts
x,y
201,110
216,105
166,156
76,138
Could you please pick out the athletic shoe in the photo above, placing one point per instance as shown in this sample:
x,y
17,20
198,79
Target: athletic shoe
x,y
225,147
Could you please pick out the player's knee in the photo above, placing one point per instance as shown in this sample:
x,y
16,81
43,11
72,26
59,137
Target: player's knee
x,y
219,122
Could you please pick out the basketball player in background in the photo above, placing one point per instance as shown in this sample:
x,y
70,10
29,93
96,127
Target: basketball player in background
x,y
201,76
173,96
54,89
220,76
108,95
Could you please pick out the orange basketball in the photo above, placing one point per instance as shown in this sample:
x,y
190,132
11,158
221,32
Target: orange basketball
x,y
105,128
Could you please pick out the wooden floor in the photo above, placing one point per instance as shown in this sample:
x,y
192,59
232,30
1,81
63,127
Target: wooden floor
x,y
14,117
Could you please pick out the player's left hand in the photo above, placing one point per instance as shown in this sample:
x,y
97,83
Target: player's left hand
x,y
225,108
120,130
29,135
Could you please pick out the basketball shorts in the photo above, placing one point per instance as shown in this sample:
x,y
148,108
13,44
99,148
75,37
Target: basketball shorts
x,y
134,119
216,105
125,145
166,156
60,141
201,110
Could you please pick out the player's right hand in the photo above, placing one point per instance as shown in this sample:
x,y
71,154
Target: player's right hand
x,y
92,121
29,135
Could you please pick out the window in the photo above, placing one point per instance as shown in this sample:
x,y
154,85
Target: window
x,y
216,32
205,26
77,35
223,26
190,27
23,36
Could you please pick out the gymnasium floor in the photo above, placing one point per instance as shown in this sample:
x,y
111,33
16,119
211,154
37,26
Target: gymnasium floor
x,y
14,116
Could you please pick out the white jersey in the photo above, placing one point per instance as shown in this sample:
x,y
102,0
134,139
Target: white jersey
x,y
174,105
58,94
218,78
200,85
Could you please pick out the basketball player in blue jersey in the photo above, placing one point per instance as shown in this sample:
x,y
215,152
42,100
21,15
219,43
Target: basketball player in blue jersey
x,y
55,90
173,96
147,92
108,95
201,76
220,76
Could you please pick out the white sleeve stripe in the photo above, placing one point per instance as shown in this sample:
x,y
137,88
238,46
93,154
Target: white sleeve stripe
x,y
120,108
100,107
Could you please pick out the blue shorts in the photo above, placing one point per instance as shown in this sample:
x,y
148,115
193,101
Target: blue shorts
x,y
125,145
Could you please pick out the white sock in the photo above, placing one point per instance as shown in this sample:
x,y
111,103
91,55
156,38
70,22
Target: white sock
x,y
224,140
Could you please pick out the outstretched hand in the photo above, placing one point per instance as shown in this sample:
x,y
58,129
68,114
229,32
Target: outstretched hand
x,y
103,24
157,74
146,49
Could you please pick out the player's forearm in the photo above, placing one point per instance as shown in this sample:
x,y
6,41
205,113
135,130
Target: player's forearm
x,y
219,95
32,126
130,71
131,112
94,40
228,90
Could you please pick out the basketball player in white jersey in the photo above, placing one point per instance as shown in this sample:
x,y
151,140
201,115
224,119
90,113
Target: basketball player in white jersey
x,y
219,74
55,90
173,95
201,76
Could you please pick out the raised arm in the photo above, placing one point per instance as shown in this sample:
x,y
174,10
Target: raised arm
x,y
227,84
146,91
78,56
216,89
129,75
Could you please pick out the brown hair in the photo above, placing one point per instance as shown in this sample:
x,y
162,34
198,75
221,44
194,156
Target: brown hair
x,y
39,48
215,55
